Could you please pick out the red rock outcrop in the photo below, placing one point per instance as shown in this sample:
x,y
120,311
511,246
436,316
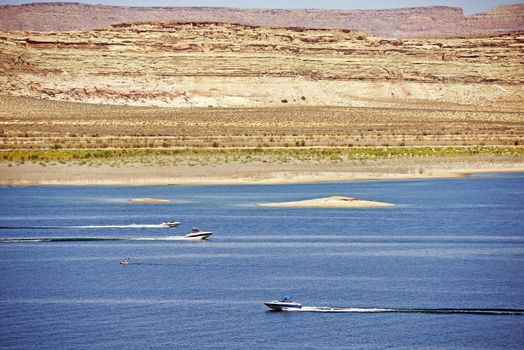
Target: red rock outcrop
x,y
404,22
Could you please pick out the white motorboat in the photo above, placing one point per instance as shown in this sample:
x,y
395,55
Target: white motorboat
x,y
196,233
286,303
170,223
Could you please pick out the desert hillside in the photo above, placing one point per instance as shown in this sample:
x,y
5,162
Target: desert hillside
x,y
404,22
181,64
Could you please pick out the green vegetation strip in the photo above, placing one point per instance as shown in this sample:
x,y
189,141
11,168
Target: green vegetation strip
x,y
300,153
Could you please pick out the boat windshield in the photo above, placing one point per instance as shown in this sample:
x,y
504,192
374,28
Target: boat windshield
x,y
287,297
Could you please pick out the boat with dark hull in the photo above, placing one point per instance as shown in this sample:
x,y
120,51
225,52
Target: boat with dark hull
x,y
196,233
285,303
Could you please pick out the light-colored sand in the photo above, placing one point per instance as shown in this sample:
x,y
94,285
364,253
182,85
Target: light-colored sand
x,y
329,202
248,173
150,200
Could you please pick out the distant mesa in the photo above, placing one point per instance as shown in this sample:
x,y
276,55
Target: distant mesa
x,y
151,200
426,21
227,65
329,202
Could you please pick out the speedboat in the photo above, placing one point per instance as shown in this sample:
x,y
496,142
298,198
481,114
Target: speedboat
x,y
170,223
195,233
124,261
285,303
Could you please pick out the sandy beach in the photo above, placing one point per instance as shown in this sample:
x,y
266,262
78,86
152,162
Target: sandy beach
x,y
248,173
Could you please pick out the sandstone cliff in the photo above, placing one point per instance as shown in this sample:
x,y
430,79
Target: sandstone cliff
x,y
404,22
218,64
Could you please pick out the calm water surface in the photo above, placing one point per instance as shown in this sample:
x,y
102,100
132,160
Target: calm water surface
x,y
452,243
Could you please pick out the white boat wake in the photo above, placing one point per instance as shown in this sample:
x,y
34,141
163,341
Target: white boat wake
x,y
90,239
118,226
489,311
81,227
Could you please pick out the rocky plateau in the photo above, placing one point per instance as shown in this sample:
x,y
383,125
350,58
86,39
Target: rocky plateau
x,y
403,22
189,64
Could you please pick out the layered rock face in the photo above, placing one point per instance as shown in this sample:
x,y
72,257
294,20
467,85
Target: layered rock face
x,y
217,64
405,22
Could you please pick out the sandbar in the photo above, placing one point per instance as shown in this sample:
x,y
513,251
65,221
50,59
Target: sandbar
x,y
329,202
150,200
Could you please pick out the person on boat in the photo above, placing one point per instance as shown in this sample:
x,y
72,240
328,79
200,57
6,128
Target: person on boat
x,y
195,229
287,298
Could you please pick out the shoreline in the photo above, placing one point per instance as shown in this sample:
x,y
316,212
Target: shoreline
x,y
237,174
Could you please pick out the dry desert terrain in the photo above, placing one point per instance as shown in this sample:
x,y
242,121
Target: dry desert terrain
x,y
210,102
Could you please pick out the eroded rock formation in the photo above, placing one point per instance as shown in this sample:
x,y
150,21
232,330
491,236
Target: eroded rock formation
x,y
404,22
219,64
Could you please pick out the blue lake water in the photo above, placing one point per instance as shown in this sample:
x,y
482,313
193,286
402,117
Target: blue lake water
x,y
449,243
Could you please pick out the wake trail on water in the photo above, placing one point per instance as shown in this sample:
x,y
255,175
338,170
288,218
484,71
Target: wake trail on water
x,y
79,227
88,239
481,311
